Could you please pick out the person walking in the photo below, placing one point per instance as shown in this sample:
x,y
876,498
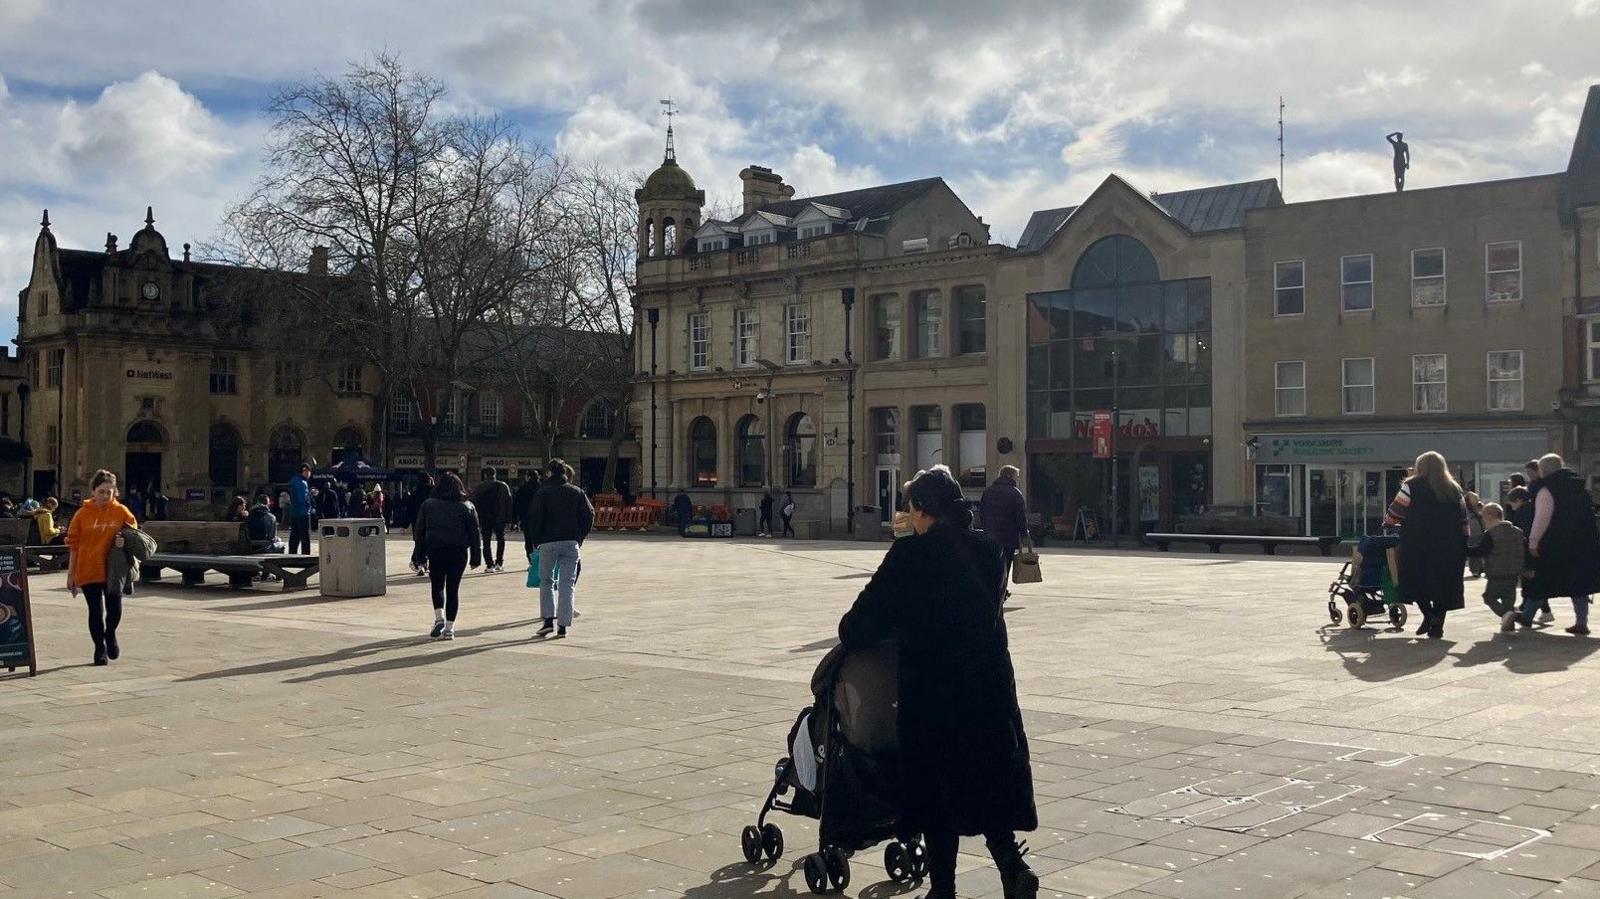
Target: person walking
x,y
1563,542
493,499
559,519
446,533
136,503
1475,526
524,496
786,512
764,527
1522,516
682,510
1432,514
300,512
1005,514
94,532
1503,550
964,762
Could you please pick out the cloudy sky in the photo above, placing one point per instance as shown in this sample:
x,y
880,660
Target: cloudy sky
x,y
1019,104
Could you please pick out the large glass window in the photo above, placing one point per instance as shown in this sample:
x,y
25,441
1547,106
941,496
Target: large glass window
x,y
971,318
972,445
349,381
928,423
1505,381
1502,267
599,421
1289,388
1591,329
800,446
53,368
886,436
1290,291
1427,277
886,326
703,453
927,311
400,412
1360,387
797,331
1114,342
1355,282
224,374
489,413
699,341
746,337
752,451
1429,383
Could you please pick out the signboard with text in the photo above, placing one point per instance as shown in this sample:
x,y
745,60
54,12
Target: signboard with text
x,y
1100,433
1398,447
16,615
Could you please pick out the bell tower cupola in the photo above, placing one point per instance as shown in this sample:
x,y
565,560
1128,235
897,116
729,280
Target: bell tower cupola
x,y
669,203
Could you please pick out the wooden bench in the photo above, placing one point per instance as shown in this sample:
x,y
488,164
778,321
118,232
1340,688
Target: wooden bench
x,y
199,537
46,558
17,531
1269,544
242,570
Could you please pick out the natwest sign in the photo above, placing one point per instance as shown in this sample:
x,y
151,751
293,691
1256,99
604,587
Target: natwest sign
x,y
150,376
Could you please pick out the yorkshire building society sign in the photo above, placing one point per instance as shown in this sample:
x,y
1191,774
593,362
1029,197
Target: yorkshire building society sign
x,y
1481,445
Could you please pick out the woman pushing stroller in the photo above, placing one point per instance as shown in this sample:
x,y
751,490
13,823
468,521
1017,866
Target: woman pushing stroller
x,y
964,756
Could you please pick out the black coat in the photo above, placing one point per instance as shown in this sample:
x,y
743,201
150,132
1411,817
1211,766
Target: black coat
x,y
1433,549
964,752
559,511
1568,563
1005,512
447,525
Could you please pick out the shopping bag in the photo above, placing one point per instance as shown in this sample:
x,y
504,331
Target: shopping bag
x,y
1025,567
533,569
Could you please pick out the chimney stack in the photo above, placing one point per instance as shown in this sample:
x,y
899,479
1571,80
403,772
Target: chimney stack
x,y
111,243
319,260
762,187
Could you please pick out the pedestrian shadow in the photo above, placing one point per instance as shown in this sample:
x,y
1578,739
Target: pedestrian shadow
x,y
815,645
746,881
1368,658
458,650
349,653
1529,652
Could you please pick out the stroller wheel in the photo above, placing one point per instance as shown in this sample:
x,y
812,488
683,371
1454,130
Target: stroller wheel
x,y
750,842
1334,614
897,862
1397,615
919,859
838,868
772,841
1358,615
816,874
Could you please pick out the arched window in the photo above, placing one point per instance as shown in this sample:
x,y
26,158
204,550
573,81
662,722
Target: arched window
x,y
800,450
669,237
145,432
752,451
649,247
224,455
703,453
1114,260
286,449
599,421
346,445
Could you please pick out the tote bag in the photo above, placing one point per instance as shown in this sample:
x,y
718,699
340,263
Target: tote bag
x,y
1025,567
533,569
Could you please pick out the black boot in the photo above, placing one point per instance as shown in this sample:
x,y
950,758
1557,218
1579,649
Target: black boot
x,y
1016,878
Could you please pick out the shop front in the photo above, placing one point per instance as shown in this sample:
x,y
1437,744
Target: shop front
x,y
1341,484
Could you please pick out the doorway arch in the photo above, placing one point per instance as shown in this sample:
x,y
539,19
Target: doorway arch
x,y
141,468
286,449
223,456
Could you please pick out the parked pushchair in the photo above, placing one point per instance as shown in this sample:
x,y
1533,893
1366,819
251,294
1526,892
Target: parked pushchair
x,y
842,768
1361,602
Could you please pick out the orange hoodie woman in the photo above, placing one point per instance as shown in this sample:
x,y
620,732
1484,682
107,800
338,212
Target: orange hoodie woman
x,y
95,532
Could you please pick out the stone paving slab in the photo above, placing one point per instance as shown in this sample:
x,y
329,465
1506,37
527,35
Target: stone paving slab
x,y
1198,729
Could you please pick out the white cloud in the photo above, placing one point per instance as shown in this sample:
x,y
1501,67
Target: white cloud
x,y
148,126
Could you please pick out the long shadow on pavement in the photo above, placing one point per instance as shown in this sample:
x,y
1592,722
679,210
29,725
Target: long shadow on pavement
x,y
416,660
349,653
1370,659
1529,651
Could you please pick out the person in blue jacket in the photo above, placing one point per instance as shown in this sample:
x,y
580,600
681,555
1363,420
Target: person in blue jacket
x,y
300,511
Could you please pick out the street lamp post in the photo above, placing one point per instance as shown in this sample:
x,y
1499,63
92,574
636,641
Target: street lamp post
x,y
848,297
654,315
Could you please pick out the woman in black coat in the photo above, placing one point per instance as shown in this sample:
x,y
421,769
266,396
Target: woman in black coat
x,y
1433,542
1563,542
964,754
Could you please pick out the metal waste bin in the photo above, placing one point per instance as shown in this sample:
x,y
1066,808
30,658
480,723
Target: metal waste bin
x,y
352,554
744,522
869,526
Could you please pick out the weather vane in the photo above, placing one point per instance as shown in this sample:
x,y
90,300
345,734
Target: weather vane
x,y
669,110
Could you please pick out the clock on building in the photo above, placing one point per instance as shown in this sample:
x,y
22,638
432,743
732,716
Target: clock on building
x,y
150,291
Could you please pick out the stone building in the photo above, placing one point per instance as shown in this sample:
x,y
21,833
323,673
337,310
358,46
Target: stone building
x,y
15,455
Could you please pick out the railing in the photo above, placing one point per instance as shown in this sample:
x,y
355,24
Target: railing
x,y
749,256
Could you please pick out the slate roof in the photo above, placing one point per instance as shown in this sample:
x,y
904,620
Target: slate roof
x,y
867,203
1215,208
1583,169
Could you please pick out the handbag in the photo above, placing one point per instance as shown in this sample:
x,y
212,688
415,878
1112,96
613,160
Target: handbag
x,y
1025,567
533,569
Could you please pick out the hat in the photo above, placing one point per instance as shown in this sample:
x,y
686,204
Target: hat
x,y
30,505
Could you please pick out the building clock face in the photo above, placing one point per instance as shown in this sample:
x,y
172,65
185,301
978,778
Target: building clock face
x,y
150,290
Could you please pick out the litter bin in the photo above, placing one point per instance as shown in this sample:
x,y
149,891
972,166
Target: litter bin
x,y
352,557
744,522
868,525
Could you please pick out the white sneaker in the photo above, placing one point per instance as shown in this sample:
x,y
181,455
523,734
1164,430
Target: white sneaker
x,y
1546,617
1508,622
449,632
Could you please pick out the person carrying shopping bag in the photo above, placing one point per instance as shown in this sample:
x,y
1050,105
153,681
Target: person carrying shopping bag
x,y
560,517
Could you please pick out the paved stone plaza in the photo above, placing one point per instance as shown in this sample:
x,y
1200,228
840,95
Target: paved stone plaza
x,y
1198,730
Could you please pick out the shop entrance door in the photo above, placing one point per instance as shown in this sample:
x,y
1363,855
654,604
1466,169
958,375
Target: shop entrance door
x,y
888,493
142,470
1361,501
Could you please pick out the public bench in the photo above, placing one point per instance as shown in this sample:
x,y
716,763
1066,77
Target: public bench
x,y
203,537
1269,544
17,531
46,558
242,570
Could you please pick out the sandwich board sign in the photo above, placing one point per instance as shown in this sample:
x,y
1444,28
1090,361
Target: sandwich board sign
x,y
16,616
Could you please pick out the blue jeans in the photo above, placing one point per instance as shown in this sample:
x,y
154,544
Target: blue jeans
x,y
1531,604
558,570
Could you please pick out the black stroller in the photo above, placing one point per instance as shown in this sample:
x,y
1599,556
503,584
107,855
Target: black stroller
x,y
842,769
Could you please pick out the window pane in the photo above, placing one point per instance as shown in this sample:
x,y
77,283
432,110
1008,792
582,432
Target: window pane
x,y
1291,374
1505,256
1358,372
1357,296
1357,268
886,326
1505,287
1139,308
1094,311
1291,274
1427,291
1061,365
1427,263
972,307
1039,367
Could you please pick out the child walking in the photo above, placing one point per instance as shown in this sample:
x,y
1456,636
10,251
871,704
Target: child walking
x,y
1502,548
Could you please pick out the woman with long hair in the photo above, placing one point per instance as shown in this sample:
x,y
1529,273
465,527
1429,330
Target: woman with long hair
x,y
446,534
964,755
1432,512
94,533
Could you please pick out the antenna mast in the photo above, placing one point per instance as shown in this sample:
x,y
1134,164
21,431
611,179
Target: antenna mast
x,y
669,111
1280,143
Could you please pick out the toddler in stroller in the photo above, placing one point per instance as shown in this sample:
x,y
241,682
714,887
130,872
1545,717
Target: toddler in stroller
x,y
841,769
1366,584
